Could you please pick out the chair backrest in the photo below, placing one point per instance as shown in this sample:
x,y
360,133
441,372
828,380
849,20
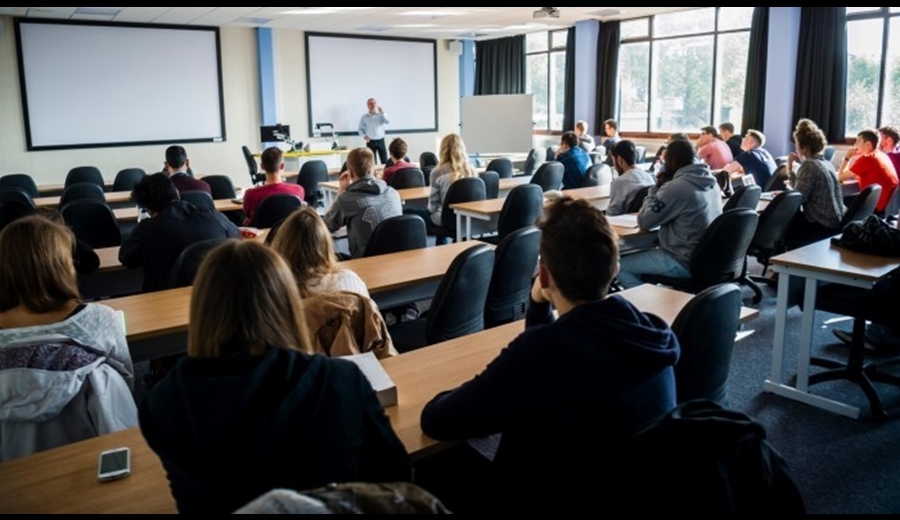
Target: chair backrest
x,y
199,198
706,329
551,154
457,308
426,173
18,195
252,167
744,197
515,261
638,201
892,209
188,262
720,255
549,176
502,165
829,152
536,157
772,228
640,154
467,189
598,174
491,183
778,181
220,186
398,233
93,222
128,178
863,205
20,180
85,174
521,208
428,159
12,210
275,208
596,158
82,191
408,178
313,172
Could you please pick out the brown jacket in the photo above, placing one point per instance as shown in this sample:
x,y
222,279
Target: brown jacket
x,y
344,323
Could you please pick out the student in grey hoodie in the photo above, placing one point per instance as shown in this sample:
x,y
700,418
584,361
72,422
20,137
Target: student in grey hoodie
x,y
682,206
362,201
625,187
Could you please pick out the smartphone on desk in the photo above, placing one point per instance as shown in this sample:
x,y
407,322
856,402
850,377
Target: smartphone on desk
x,y
114,464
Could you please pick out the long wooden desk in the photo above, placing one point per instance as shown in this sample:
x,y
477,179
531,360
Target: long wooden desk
x,y
330,190
112,197
64,480
131,214
818,262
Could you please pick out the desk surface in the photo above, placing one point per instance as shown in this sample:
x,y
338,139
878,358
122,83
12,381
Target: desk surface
x,y
827,258
112,197
127,214
64,480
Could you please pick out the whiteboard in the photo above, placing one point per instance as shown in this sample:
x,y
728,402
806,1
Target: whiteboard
x,y
345,71
501,124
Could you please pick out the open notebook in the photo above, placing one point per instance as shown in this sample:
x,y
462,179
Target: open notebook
x,y
626,221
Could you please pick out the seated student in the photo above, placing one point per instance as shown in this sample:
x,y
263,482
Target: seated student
x,y
890,144
84,384
155,243
734,141
177,167
397,150
684,202
362,201
248,410
822,208
867,164
585,140
630,180
712,150
272,162
305,243
453,165
567,391
574,159
754,159
611,131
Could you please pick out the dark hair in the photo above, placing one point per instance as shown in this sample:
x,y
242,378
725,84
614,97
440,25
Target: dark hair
x,y
727,127
809,137
398,148
155,192
679,136
678,155
176,156
579,248
711,130
625,150
892,132
570,139
271,159
870,136
612,123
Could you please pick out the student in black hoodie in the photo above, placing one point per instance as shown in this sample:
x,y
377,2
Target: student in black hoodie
x,y
248,410
567,390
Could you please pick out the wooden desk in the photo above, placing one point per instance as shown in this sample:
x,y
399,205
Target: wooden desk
x,y
330,190
112,197
131,214
64,480
818,262
60,187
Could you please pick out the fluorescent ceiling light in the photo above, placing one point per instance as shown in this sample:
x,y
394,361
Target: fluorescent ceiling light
x,y
99,11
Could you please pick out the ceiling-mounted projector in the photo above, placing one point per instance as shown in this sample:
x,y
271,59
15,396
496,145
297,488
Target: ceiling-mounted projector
x,y
547,12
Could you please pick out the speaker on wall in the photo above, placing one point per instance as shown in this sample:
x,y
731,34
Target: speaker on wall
x,y
455,46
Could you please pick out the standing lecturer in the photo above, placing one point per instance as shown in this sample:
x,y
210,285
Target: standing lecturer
x,y
371,128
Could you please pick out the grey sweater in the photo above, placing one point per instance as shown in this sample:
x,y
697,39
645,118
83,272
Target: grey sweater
x,y
363,206
823,200
624,188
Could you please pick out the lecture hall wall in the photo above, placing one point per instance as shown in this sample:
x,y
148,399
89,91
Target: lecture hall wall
x,y
240,70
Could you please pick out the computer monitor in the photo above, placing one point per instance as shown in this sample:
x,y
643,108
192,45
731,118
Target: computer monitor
x,y
274,133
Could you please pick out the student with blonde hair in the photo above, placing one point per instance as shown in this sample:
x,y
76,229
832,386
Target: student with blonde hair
x,y
585,140
454,165
248,409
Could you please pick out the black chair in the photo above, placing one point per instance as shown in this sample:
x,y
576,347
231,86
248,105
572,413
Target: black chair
x,y
395,234
744,197
551,154
892,209
275,208
311,174
408,178
252,168
769,239
536,157
640,154
85,174
200,199
20,180
188,262
521,208
93,222
427,159
515,262
502,165
426,173
457,308
12,210
18,195
863,205
779,180
638,201
549,176
721,254
706,329
596,158
128,178
598,174
467,189
82,191
220,186
491,184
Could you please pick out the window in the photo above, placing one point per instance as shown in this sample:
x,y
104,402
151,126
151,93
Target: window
x,y
546,77
679,72
873,68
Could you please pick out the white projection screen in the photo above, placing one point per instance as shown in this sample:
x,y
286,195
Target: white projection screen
x,y
87,85
344,71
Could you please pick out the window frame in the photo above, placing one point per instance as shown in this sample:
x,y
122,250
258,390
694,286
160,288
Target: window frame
x,y
549,51
886,16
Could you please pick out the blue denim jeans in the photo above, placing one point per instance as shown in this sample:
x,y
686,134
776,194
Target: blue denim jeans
x,y
654,261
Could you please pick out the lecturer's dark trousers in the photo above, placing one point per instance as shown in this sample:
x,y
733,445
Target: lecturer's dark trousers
x,y
378,148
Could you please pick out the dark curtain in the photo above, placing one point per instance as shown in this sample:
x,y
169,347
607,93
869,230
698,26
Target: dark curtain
x,y
822,70
607,73
500,66
755,86
569,100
